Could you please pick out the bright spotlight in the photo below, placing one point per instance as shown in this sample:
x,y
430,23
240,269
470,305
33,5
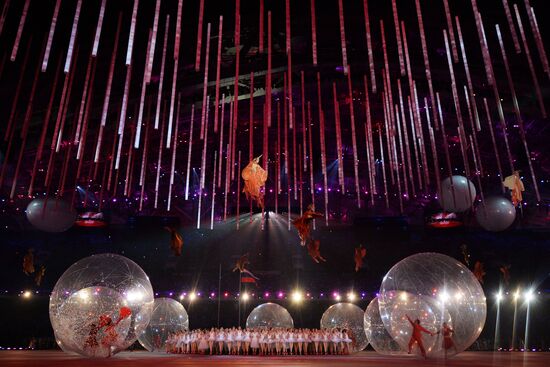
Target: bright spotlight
x,y
351,296
297,296
516,295
245,296
529,296
27,294
192,296
499,297
444,296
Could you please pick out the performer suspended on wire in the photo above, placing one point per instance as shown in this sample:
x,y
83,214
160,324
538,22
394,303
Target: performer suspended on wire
x,y
28,262
360,253
479,271
176,240
416,336
515,185
303,224
313,249
254,178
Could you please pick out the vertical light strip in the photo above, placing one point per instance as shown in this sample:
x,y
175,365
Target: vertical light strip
x,y
468,76
530,62
20,30
517,111
122,120
220,160
354,141
98,28
132,33
511,26
162,66
398,36
426,60
4,15
199,37
343,36
152,46
451,30
159,159
50,34
73,37
369,45
205,79
251,120
268,76
323,145
536,35
218,71
313,33
139,119
261,28
189,151
339,151
108,91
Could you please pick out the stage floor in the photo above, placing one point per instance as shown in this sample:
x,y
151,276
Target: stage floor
x,y
363,359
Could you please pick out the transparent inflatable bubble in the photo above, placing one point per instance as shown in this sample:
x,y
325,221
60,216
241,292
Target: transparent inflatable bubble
x,y
376,332
100,305
458,195
168,317
433,288
269,315
51,215
349,317
496,214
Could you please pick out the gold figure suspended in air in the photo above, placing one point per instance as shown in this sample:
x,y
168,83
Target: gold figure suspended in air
x,y
254,177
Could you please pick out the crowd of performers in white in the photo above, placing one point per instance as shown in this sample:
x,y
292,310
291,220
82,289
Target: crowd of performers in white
x,y
261,341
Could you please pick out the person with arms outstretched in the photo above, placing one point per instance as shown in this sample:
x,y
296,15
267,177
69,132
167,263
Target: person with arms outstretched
x,y
416,336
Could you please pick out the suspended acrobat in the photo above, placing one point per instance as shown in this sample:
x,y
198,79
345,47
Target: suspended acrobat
x,y
303,224
254,178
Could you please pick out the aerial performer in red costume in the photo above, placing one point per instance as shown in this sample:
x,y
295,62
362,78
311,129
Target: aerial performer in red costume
x,y
448,342
303,224
416,336
314,250
254,178
360,253
176,240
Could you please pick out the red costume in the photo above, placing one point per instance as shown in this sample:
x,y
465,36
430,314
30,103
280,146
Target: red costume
x,y
416,336
303,224
447,332
254,178
360,253
313,248
176,240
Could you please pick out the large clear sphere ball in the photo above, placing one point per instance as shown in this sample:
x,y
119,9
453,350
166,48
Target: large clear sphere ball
x,y
51,215
457,194
496,214
100,305
269,315
349,318
433,288
377,335
168,317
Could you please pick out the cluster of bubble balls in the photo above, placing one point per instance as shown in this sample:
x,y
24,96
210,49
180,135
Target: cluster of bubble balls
x,y
349,317
435,289
95,289
168,317
269,315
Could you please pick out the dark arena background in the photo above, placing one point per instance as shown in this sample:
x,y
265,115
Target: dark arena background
x,y
409,126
